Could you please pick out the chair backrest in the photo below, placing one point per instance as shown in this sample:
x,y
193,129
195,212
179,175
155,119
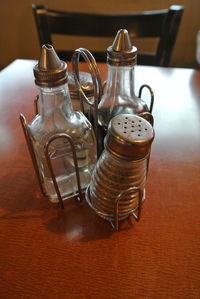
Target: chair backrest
x,y
163,24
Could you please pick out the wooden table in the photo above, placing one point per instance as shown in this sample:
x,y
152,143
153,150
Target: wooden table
x,y
45,253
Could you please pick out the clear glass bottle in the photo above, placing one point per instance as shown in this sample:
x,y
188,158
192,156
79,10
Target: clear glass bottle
x,y
57,116
119,96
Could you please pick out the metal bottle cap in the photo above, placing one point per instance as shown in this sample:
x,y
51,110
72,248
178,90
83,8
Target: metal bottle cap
x,y
129,136
50,70
122,53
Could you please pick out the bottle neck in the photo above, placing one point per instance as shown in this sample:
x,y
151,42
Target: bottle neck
x,y
54,99
121,81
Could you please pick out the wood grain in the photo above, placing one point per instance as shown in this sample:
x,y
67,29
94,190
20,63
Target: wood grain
x,y
47,253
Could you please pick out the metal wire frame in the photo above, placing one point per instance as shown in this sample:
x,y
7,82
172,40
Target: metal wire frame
x,y
116,204
149,117
94,71
48,159
115,223
151,94
31,151
46,148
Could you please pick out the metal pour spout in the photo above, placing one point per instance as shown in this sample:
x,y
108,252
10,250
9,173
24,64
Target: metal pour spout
x,y
122,53
50,70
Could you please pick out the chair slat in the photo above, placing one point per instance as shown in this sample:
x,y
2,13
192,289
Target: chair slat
x,y
163,24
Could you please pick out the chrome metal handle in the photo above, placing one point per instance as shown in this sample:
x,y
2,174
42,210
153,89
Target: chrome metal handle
x,y
94,71
151,94
96,79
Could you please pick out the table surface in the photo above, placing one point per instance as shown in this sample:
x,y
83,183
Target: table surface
x,y
47,253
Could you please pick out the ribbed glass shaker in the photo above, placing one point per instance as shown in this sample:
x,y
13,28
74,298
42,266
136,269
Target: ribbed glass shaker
x,y
122,167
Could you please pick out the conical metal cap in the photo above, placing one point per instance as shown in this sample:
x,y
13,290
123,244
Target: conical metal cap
x,y
122,53
50,70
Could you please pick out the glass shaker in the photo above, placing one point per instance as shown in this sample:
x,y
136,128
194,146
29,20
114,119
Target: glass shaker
x,y
119,96
88,88
63,129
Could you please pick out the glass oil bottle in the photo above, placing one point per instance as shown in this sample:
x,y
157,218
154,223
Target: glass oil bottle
x,y
119,96
59,134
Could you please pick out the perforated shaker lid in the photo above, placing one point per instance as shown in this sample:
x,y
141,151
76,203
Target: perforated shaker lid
x,y
129,136
86,83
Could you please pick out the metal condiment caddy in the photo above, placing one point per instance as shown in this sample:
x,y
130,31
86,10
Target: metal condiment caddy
x,y
127,142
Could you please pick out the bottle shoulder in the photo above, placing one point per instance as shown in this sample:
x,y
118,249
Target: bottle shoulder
x,y
122,99
111,106
76,126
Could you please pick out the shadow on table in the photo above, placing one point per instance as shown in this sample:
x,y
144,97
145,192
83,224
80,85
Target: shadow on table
x,y
79,222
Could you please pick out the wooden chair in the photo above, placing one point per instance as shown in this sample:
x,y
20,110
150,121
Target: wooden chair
x,y
163,24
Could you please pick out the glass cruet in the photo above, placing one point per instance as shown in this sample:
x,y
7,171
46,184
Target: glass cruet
x,y
56,116
119,96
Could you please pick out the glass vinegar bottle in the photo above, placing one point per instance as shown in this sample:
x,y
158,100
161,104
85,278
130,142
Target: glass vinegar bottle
x,y
119,96
57,116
